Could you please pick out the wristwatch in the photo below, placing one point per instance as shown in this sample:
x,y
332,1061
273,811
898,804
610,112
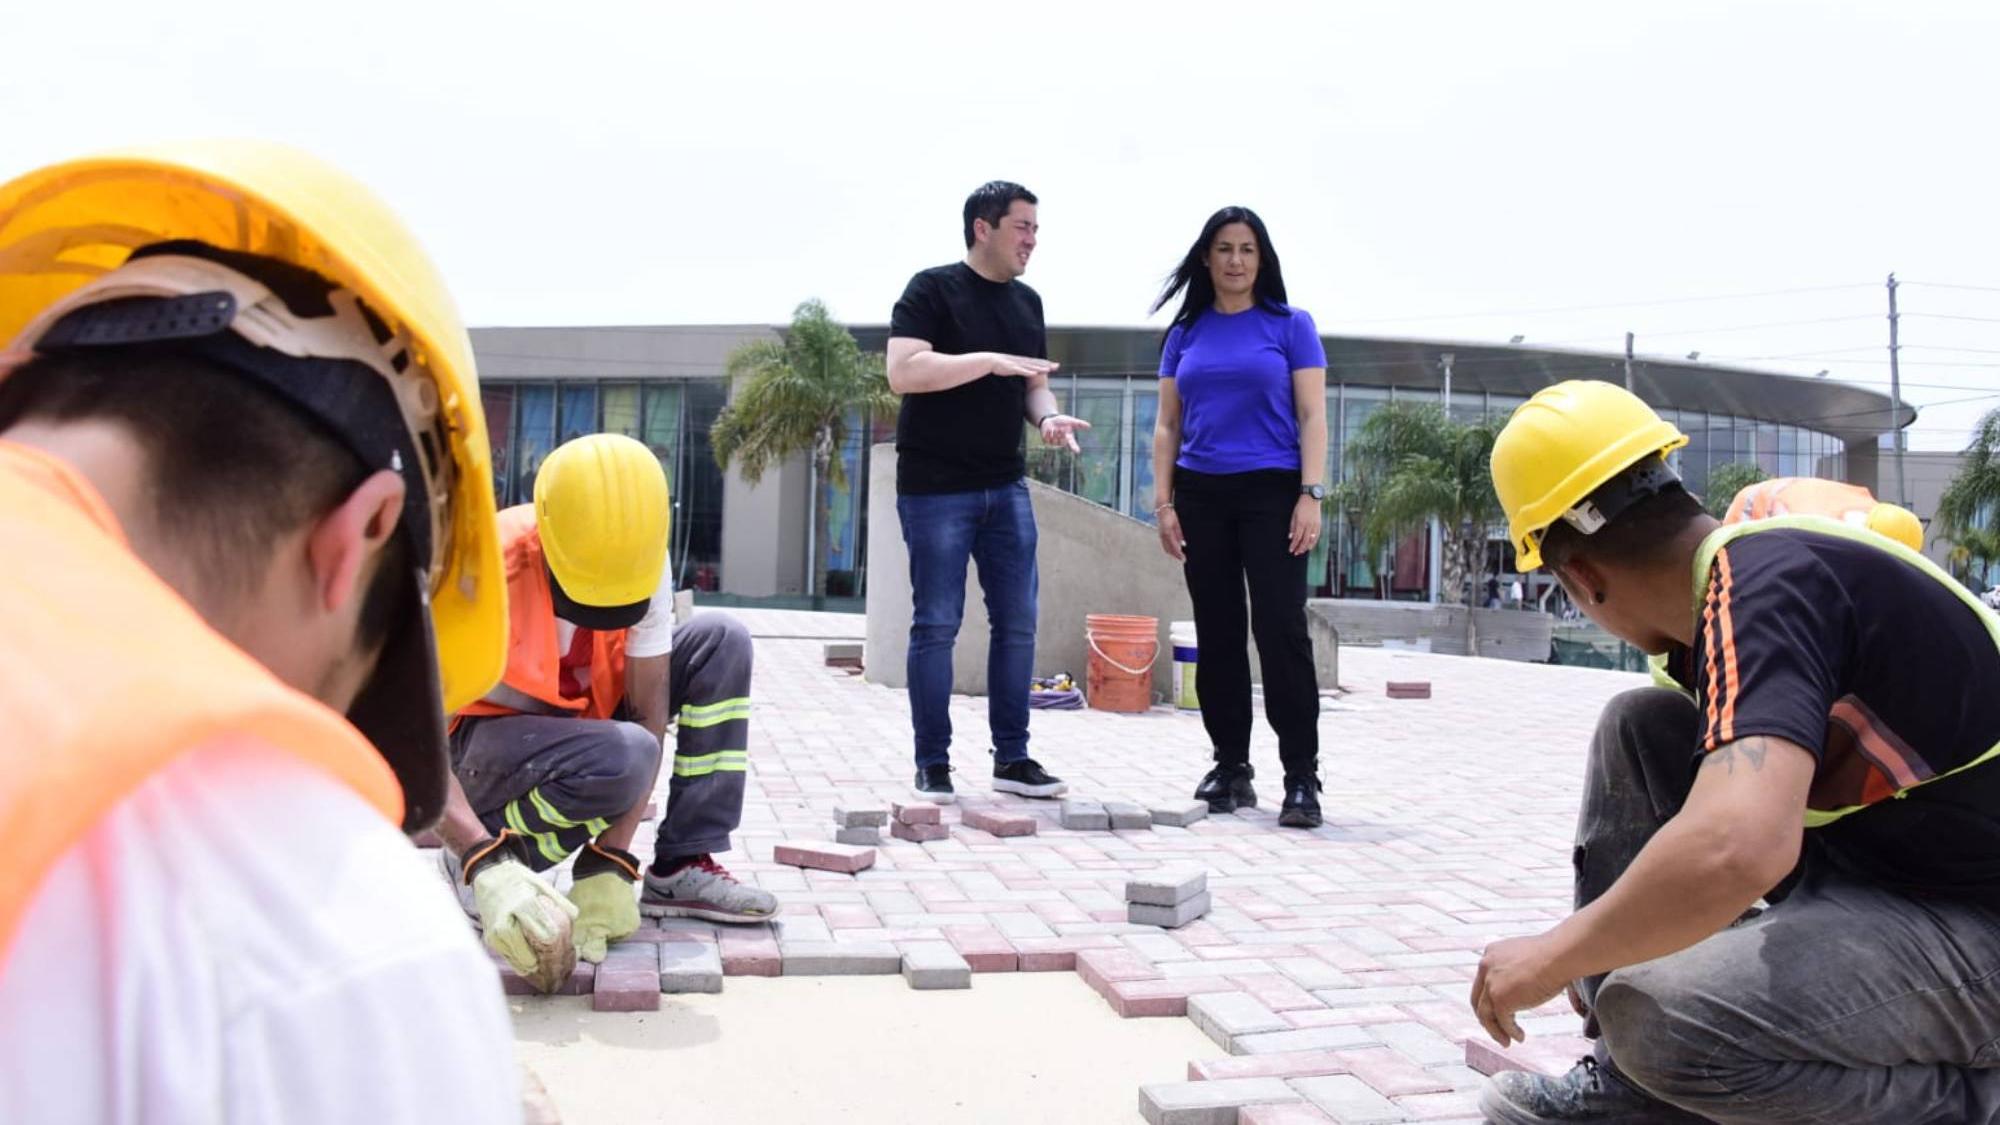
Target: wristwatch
x,y
1316,491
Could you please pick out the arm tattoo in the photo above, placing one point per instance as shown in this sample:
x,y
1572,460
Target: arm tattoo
x,y
1752,751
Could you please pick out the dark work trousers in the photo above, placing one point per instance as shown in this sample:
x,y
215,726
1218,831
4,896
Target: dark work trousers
x,y
1238,530
559,781
1844,1001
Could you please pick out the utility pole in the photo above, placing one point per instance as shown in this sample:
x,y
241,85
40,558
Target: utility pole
x,y
1445,361
1896,397
1628,361
1438,592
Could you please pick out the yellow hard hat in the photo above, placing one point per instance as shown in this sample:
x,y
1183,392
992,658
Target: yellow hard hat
x,y
601,507
62,226
1897,523
1564,444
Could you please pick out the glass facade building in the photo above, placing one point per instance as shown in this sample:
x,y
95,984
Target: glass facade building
x,y
669,400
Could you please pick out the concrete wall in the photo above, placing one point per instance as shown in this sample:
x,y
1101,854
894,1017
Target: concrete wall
x,y
1925,476
764,530
1091,560
1507,634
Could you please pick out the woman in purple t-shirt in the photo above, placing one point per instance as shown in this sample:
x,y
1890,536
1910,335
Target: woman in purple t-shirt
x,y
1239,452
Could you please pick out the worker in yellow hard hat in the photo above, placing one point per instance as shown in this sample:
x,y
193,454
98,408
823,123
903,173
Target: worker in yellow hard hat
x,y
1835,697
250,563
1810,496
562,756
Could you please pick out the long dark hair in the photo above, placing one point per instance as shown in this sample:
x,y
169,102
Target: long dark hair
x,y
1192,274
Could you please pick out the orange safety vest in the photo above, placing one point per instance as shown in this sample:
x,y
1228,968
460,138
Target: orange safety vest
x,y
534,666
107,676
1802,496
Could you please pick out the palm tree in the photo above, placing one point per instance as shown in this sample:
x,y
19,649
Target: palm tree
x,y
1967,510
796,395
1725,481
1411,464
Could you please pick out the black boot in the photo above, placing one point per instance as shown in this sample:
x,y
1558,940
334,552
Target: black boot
x,y
1301,807
1590,1092
1227,788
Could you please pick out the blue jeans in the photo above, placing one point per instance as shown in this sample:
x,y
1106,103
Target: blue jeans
x,y
995,528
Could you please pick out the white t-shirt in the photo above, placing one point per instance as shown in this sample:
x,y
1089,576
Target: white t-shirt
x,y
241,940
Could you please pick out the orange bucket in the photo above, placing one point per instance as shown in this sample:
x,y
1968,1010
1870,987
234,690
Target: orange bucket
x,y
1122,652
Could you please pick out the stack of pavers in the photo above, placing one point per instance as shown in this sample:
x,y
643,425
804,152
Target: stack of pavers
x,y
1170,898
919,822
859,826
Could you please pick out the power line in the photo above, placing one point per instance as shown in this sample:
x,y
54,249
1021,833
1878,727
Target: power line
x,y
1944,285
1613,305
1953,316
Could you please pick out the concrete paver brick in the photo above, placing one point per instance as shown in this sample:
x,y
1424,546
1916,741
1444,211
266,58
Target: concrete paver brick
x,y
999,822
1311,973
1134,999
1552,1056
1126,816
860,816
1458,1104
1389,994
1416,1041
919,833
1390,1073
1155,946
580,982
933,965
1305,1039
844,859
1170,917
1409,689
690,966
1209,1103
1166,888
984,948
840,959
864,836
1099,967
749,953
629,979
1080,814
1284,1064
1179,814
1281,1113
1348,1099
917,812
1223,1016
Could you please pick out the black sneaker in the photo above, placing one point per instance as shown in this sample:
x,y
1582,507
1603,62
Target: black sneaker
x,y
1227,788
1301,807
1026,777
1588,1093
933,784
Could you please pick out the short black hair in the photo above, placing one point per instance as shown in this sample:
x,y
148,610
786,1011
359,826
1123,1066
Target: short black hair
x,y
233,466
1633,535
991,201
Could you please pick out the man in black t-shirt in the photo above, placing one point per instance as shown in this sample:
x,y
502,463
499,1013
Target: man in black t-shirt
x,y
1826,738
969,354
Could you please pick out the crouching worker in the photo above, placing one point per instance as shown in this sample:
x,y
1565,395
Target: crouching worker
x,y
564,754
1828,748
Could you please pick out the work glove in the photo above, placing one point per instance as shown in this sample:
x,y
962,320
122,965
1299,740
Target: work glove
x,y
607,908
524,919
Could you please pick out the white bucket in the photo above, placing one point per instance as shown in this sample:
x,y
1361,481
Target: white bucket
x,y
1181,638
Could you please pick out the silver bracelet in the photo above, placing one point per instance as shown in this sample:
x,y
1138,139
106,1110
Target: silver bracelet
x,y
1163,507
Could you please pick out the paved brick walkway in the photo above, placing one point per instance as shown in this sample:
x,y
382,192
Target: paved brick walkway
x,y
1334,964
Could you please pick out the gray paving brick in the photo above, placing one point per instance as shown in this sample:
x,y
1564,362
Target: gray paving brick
x,y
1180,815
839,959
1209,1103
1172,917
1331,1038
1169,887
1348,1099
1236,967
690,966
1081,815
1375,994
802,927
1427,1047
1157,947
935,964
1311,973
864,835
1223,1016
1127,816
860,816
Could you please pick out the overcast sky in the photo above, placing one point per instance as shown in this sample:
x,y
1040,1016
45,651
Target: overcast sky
x,y
1418,163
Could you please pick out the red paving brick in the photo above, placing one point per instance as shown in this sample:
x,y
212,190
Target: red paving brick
x,y
843,858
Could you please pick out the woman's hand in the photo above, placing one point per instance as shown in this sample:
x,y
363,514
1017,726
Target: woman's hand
x,y
1305,525
1170,533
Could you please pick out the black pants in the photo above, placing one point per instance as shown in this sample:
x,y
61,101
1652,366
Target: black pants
x,y
1238,527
